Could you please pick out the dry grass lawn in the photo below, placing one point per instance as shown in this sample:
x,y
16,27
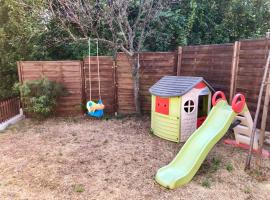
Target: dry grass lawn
x,y
79,158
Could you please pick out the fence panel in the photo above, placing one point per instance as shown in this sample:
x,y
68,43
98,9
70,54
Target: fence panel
x,y
153,66
9,108
125,93
107,86
252,60
68,73
213,62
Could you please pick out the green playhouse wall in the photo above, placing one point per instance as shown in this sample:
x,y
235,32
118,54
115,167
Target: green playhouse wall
x,y
167,126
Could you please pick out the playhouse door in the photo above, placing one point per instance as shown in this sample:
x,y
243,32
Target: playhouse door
x,y
188,115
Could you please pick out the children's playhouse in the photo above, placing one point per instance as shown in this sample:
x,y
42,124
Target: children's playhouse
x,y
180,104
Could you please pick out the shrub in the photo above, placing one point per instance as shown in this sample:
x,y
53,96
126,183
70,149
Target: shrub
x,y
40,97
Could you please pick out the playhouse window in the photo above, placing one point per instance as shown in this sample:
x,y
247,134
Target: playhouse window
x,y
189,106
162,105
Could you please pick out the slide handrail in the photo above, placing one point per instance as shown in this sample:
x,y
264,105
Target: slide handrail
x,y
219,95
238,103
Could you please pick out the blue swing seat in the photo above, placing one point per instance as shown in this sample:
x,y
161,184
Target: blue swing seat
x,y
96,113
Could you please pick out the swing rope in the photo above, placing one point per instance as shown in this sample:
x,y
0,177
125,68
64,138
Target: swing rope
x,y
99,94
89,69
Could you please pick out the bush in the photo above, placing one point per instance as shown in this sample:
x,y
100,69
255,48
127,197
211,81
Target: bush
x,y
40,97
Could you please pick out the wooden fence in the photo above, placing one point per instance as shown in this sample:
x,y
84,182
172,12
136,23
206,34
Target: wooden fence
x,y
66,72
249,71
213,62
9,108
233,67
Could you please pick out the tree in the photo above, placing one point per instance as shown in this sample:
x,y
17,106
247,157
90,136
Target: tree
x,y
246,19
124,25
197,22
57,29
18,30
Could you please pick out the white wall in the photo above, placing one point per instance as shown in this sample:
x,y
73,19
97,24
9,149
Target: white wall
x,y
188,121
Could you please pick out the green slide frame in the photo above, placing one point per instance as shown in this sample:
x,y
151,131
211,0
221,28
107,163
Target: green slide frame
x,y
189,159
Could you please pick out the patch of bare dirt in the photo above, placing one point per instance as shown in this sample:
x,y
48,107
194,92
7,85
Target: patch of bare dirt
x,y
78,158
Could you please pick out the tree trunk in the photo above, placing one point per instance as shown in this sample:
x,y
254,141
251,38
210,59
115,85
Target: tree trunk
x,y
136,83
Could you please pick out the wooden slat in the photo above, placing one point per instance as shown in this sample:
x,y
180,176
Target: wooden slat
x,y
234,69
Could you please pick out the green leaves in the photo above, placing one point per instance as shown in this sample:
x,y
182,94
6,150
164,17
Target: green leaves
x,y
17,36
40,96
209,22
29,32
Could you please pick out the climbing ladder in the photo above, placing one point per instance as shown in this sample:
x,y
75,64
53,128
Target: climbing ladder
x,y
243,131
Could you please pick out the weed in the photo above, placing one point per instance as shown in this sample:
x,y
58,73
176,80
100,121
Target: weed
x,y
107,117
257,174
229,167
120,116
79,188
215,164
206,183
247,190
110,117
210,166
204,169
71,119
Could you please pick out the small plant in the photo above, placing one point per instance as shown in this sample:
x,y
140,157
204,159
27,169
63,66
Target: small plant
x,y
107,117
40,97
210,166
215,164
206,183
120,116
258,175
79,188
83,107
247,190
229,167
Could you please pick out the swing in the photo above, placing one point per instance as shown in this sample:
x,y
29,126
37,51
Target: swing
x,y
94,109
